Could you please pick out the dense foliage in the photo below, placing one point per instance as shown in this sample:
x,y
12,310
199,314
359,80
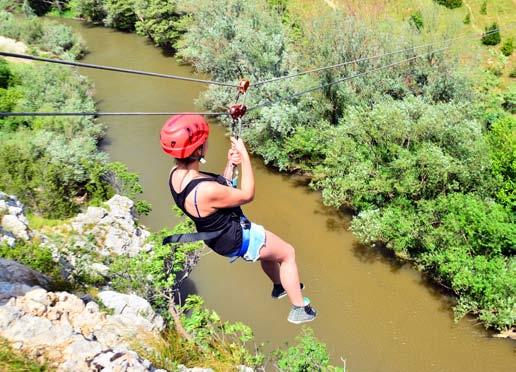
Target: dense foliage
x,y
399,146
452,4
156,19
47,37
492,35
52,163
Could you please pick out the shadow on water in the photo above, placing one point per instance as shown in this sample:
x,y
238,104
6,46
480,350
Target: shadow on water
x,y
187,288
378,253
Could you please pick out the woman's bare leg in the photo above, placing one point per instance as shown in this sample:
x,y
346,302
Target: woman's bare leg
x,y
277,250
272,269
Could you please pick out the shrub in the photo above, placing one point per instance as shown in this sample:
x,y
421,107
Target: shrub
x,y
37,257
92,10
507,47
512,74
483,7
15,361
492,35
416,19
157,19
451,4
308,355
463,241
120,14
502,146
467,19
5,74
406,149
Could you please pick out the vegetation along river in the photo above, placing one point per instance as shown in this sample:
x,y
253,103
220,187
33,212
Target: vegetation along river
x,y
375,313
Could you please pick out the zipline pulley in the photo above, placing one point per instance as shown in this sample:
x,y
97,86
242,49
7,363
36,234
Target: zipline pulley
x,y
237,111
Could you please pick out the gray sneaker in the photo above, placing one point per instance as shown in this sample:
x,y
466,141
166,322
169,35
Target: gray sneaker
x,y
302,314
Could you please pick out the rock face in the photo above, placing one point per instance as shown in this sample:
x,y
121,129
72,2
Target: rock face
x,y
72,335
17,279
14,224
113,228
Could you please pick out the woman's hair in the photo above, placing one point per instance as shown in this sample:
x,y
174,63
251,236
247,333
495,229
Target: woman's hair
x,y
189,160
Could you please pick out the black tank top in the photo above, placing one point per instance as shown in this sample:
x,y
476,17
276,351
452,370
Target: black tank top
x,y
226,219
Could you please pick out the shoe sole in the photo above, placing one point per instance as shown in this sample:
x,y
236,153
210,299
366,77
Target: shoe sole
x,y
302,321
284,294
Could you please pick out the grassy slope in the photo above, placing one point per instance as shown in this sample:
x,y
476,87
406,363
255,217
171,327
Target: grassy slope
x,y
446,21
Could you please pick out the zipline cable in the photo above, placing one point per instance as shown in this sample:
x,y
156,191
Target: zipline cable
x,y
309,90
362,59
5,114
116,69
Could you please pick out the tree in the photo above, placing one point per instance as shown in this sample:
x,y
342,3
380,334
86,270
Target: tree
x,y
491,35
157,19
451,4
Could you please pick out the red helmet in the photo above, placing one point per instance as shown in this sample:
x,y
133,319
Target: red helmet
x,y
182,134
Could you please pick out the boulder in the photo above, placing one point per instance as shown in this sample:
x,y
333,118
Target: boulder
x,y
14,272
134,307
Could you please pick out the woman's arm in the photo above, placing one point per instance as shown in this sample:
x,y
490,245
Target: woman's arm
x,y
224,197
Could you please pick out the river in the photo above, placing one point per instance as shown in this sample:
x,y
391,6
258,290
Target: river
x,y
377,314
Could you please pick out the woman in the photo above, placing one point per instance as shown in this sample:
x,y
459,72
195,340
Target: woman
x,y
214,206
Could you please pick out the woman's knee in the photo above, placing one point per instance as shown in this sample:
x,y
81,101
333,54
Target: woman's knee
x,y
290,253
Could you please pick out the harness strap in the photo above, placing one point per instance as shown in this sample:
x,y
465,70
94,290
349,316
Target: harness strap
x,y
192,237
195,201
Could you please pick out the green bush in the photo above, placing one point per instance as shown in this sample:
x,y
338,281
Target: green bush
x,y
492,35
451,4
5,74
309,354
92,10
157,19
467,19
507,47
37,257
416,19
512,74
402,149
502,146
120,14
44,35
483,8
463,241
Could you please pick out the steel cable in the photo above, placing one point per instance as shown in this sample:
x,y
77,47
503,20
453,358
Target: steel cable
x,y
5,114
342,64
116,69
309,90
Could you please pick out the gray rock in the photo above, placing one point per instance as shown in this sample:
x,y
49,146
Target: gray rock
x,y
132,306
8,290
182,368
36,331
14,225
120,206
8,314
14,272
120,360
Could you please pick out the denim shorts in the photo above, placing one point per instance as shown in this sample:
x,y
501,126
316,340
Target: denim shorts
x,y
256,243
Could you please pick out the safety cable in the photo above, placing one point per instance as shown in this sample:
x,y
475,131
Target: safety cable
x,y
116,69
309,90
342,64
5,114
